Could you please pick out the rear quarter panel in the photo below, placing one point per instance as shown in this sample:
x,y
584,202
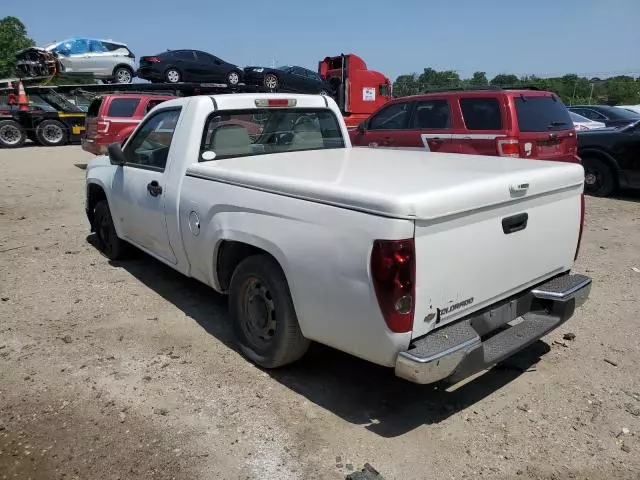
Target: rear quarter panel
x,y
324,252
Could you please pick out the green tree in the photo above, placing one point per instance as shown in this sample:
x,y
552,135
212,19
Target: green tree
x,y
479,79
13,37
505,80
406,85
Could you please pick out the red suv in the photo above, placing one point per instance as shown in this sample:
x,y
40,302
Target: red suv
x,y
524,123
112,118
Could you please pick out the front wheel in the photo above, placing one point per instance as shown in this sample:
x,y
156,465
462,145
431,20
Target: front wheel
x,y
12,135
263,316
108,241
599,179
51,133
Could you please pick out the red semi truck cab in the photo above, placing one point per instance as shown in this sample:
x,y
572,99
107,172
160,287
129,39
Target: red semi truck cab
x,y
359,91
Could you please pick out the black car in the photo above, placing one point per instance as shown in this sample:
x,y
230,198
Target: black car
x,y
610,116
289,78
174,66
611,158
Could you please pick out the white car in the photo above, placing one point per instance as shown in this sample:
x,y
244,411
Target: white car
x,y
101,59
583,123
438,265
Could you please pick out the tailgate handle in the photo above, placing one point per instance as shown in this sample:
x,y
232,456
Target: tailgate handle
x,y
515,223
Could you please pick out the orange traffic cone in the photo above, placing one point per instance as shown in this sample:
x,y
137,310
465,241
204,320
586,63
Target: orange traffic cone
x,y
23,100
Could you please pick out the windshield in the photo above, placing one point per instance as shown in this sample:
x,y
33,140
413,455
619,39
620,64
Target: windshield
x,y
243,133
542,114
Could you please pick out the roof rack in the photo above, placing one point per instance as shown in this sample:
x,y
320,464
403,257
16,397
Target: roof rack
x,y
476,88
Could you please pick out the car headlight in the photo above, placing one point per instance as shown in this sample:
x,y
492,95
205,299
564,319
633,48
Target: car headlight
x,y
258,70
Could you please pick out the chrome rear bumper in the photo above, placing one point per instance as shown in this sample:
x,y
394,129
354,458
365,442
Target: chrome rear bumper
x,y
458,350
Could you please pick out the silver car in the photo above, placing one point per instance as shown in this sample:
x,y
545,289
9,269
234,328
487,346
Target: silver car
x,y
103,59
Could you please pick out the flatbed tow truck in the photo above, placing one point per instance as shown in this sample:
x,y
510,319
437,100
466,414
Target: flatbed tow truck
x,y
56,117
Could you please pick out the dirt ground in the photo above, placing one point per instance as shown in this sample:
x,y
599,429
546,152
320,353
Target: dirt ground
x,y
128,370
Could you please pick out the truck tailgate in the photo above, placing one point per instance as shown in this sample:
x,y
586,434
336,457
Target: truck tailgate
x,y
472,259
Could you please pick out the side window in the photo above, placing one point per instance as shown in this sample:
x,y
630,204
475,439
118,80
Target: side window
x,y
96,46
592,115
393,117
481,113
150,144
151,104
123,107
184,55
432,114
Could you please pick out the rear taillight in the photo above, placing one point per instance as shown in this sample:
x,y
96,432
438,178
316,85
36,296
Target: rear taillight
x,y
102,126
151,59
581,226
508,147
393,270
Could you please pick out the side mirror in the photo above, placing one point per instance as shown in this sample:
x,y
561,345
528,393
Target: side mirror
x,y
362,127
116,155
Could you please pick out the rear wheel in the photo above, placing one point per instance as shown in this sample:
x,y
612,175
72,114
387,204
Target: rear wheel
x,y
122,75
271,81
264,319
12,135
233,78
172,75
51,133
599,179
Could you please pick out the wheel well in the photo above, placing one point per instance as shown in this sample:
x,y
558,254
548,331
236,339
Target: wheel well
x,y
122,65
601,155
95,194
230,254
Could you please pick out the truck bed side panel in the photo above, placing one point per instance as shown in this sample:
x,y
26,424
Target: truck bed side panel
x,y
326,261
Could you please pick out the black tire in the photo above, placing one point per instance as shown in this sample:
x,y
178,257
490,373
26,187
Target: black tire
x,y
106,237
323,91
173,75
599,180
12,135
271,82
233,78
258,286
51,133
122,74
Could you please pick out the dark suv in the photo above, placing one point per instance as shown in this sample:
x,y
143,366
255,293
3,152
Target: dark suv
x,y
526,123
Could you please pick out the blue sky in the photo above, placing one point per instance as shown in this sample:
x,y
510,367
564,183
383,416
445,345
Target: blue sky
x,y
543,37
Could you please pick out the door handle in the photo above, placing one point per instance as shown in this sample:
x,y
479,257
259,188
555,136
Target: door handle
x,y
515,223
437,140
154,188
387,140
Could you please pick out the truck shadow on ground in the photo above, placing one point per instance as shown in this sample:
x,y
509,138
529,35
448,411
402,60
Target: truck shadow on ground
x,y
357,391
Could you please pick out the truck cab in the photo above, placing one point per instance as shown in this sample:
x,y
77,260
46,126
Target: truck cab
x,y
359,91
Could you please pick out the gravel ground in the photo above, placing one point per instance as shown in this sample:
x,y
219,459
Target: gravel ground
x,y
128,370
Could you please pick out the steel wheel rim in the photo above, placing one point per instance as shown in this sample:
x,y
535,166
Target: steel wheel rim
x,y
52,133
173,76
123,76
258,320
10,134
271,81
233,78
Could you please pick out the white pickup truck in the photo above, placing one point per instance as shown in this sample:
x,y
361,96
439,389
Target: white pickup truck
x,y
438,265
